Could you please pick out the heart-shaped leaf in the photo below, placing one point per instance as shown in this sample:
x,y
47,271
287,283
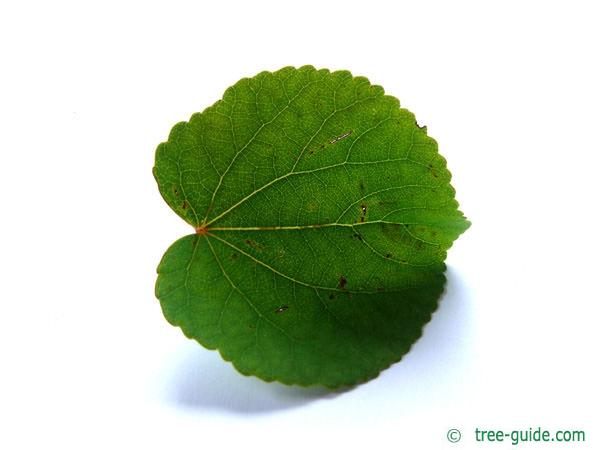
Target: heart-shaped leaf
x,y
322,213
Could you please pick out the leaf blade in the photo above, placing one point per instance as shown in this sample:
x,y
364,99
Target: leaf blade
x,y
316,197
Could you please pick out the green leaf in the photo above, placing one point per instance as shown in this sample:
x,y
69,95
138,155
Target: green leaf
x,y
323,214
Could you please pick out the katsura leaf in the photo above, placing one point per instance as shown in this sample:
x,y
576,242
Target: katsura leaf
x,y
322,216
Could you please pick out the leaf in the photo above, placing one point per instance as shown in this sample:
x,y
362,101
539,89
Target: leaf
x,y
323,214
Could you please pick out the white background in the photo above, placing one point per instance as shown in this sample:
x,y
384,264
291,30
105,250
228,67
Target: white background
x,y
88,90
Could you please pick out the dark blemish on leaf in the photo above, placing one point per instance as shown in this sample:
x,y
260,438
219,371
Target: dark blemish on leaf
x,y
363,212
393,231
388,255
234,256
433,233
430,166
175,191
340,137
282,309
357,236
419,126
361,186
331,296
253,244
380,289
184,205
343,282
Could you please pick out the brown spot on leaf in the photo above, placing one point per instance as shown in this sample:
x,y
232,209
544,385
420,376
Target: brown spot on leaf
x,y
184,205
388,255
253,244
363,212
312,207
343,282
340,137
282,309
331,296
419,126
393,231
